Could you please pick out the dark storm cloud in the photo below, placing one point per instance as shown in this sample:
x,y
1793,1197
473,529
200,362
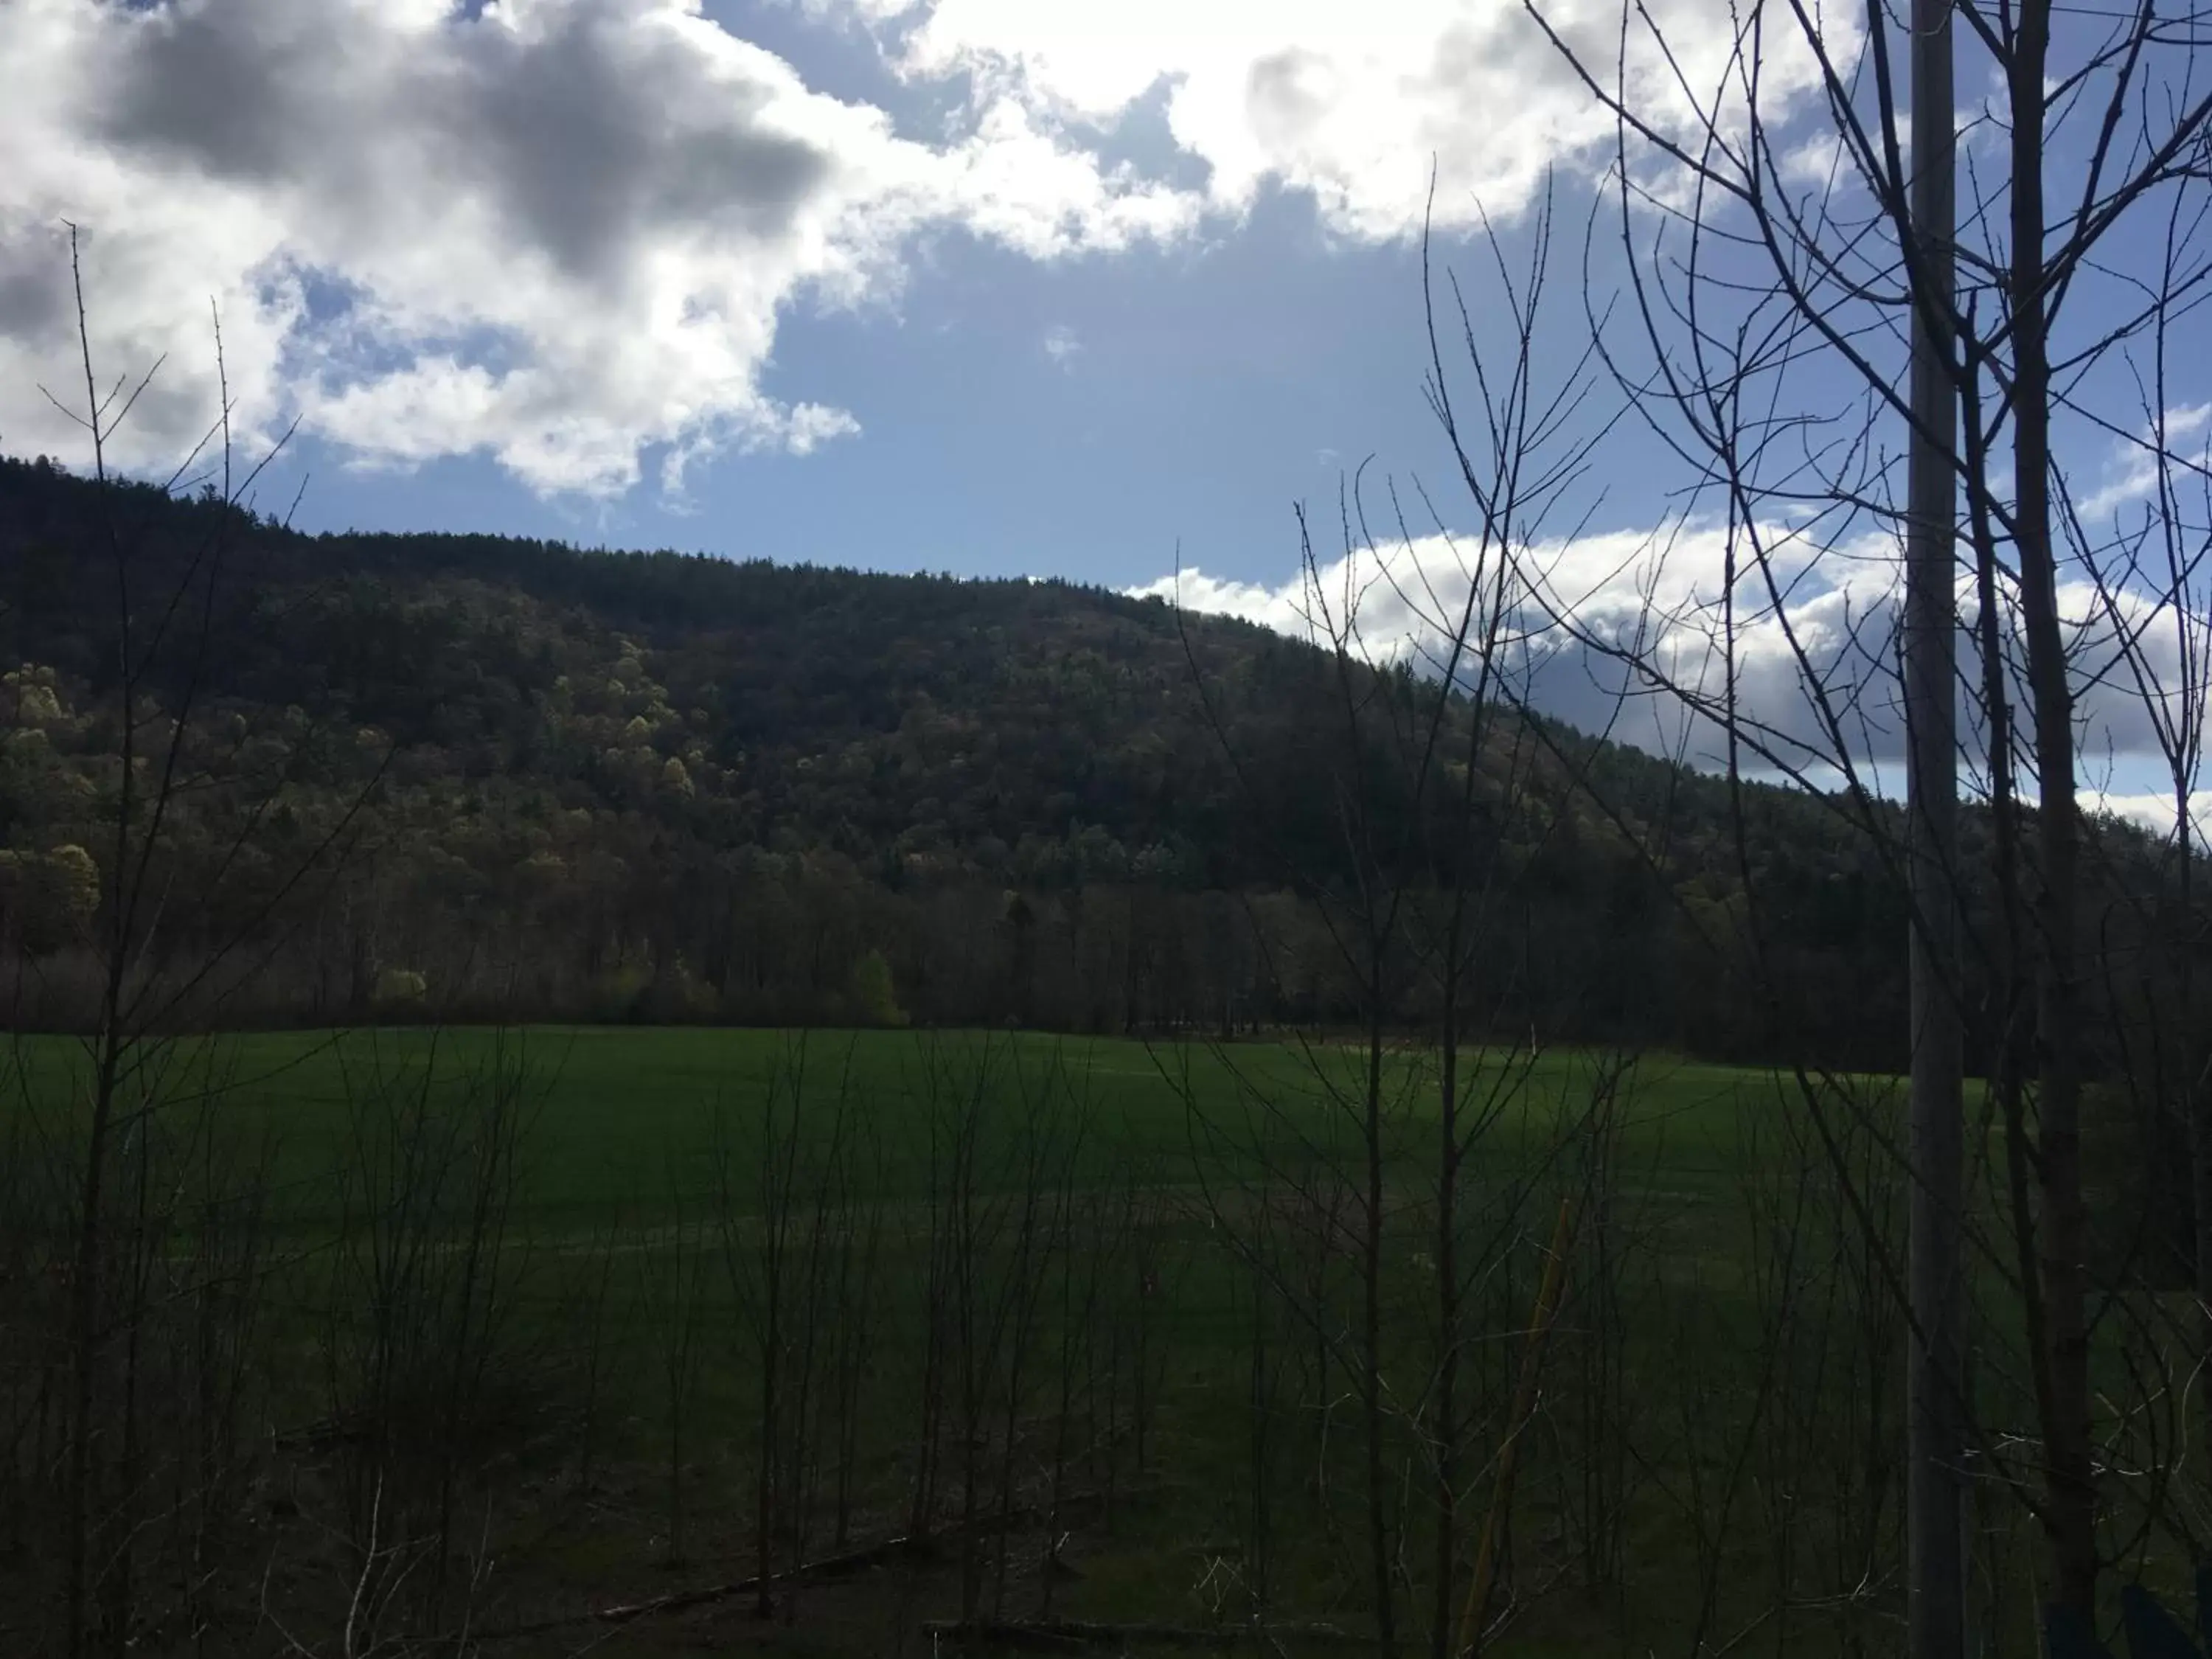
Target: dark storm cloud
x,y
584,136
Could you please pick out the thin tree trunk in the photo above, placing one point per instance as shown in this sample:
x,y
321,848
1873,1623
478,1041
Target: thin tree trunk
x,y
1936,1428
1445,1421
1371,1340
2072,1518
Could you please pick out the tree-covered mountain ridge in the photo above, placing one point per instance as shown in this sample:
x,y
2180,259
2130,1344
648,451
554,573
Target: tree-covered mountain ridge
x,y
527,779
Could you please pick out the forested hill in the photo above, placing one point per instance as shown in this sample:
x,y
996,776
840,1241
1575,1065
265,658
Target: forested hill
x,y
531,781
917,726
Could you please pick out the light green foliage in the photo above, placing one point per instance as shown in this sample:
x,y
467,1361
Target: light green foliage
x,y
72,881
401,987
621,987
875,996
48,899
36,701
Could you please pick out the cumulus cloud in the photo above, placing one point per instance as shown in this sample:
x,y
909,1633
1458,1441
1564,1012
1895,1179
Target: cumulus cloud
x,y
556,231
1815,669
1579,607
563,232
1350,104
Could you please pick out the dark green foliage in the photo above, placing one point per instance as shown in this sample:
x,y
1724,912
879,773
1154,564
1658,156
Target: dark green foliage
x,y
612,786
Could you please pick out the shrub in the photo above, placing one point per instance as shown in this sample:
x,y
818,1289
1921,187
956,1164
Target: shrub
x,y
875,996
400,987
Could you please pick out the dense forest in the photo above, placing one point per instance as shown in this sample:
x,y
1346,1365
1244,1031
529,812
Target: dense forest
x,y
560,1101
466,777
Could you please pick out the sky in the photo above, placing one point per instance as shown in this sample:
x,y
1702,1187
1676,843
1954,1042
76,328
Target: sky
x,y
1092,288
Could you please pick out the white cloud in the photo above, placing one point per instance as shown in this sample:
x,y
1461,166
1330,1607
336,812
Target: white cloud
x,y
1062,345
1653,591
2133,475
1349,103
1659,592
559,232
2155,811
1822,160
814,424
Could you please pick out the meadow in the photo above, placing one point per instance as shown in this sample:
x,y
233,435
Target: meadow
x,y
866,1341
610,1109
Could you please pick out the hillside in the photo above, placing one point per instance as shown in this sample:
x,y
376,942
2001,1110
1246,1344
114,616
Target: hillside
x,y
528,780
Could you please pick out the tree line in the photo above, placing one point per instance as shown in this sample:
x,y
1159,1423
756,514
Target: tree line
x,y
615,786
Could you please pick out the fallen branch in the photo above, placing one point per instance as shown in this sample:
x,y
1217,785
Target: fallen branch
x,y
1062,1635
880,1553
833,1567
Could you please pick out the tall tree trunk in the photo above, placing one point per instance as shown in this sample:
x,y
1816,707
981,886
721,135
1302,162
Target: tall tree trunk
x,y
2071,1507
1934,1373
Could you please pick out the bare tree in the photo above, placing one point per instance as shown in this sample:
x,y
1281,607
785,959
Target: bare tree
x,y
187,902
1445,791
1774,280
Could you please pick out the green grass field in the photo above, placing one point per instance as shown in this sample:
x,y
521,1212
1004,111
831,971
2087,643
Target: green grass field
x,y
1709,1456
612,1110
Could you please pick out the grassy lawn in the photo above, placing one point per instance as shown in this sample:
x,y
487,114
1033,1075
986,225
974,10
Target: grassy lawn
x,y
611,1111
1179,1370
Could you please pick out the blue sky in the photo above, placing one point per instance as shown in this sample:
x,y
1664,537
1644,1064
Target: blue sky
x,y
1084,417
1075,284
1072,288
1075,419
